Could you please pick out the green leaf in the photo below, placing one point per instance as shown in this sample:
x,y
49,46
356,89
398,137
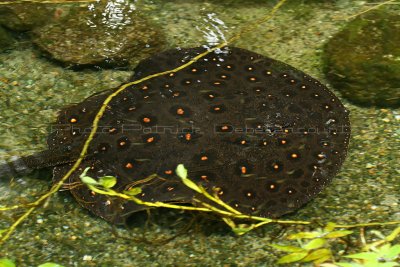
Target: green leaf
x,y
369,256
4,262
88,180
293,257
393,252
107,181
50,264
287,248
181,171
133,191
304,235
315,243
318,254
336,234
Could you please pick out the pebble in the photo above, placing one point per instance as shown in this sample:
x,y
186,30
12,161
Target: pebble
x,y
87,258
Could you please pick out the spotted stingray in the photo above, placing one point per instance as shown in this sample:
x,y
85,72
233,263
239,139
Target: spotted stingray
x,y
263,135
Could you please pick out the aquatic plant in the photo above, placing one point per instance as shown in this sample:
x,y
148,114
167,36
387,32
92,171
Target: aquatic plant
x,y
320,247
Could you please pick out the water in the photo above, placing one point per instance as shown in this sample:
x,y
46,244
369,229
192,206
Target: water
x,y
33,89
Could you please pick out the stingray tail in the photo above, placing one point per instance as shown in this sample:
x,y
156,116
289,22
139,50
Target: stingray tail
x,y
19,166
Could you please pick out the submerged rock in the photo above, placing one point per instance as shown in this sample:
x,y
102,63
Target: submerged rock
x,y
6,40
363,60
109,34
25,17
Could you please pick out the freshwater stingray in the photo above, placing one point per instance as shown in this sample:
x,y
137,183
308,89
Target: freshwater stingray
x,y
263,135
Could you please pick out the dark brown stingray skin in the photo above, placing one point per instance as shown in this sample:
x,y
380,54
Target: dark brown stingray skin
x,y
264,135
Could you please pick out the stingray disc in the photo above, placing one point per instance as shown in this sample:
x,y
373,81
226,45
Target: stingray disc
x,y
264,135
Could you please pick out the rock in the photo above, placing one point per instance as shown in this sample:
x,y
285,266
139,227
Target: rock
x,y
24,17
6,40
363,60
102,34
